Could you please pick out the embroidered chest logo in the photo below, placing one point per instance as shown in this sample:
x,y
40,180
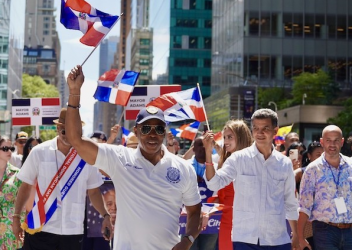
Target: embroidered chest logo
x,y
173,175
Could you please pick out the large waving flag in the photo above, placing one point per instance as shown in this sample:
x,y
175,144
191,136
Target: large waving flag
x,y
94,24
125,135
116,86
281,133
187,131
182,105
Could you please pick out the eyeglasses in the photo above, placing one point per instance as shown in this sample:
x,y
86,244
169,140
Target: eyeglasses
x,y
6,149
22,141
146,129
62,131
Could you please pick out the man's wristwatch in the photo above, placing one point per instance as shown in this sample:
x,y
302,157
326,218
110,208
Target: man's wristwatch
x,y
190,238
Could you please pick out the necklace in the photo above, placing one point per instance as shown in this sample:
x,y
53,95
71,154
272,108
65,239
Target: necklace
x,y
57,167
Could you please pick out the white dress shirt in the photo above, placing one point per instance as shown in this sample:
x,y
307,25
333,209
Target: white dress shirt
x,y
264,195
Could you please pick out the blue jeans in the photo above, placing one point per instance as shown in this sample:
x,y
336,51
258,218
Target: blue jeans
x,y
205,242
247,246
327,237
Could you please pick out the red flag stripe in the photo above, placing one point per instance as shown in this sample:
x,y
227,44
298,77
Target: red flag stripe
x,y
21,121
51,101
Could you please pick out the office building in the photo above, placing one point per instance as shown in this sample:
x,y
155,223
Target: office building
x,y
265,43
12,18
42,44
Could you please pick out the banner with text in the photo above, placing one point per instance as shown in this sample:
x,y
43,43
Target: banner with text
x,y
142,95
35,111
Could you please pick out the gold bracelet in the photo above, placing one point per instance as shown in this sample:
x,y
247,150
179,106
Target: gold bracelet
x,y
74,95
17,216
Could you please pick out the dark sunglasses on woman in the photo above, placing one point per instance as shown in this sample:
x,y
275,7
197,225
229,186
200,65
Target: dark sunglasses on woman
x,y
6,149
146,129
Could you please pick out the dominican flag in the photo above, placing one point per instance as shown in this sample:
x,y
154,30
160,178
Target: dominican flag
x,y
116,86
125,135
94,24
35,111
208,208
188,131
182,105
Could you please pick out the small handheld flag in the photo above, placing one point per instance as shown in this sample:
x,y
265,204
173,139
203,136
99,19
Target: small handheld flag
x,y
188,131
116,86
93,23
182,105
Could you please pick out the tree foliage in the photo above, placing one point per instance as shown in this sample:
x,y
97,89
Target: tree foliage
x,y
36,87
318,87
275,94
344,118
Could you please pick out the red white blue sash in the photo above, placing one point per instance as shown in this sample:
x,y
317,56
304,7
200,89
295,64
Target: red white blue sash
x,y
45,205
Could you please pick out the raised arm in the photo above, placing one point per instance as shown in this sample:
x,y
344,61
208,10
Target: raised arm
x,y
86,148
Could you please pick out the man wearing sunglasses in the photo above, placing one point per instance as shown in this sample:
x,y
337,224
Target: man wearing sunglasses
x,y
151,183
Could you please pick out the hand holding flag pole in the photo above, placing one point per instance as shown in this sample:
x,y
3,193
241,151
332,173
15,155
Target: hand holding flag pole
x,y
205,113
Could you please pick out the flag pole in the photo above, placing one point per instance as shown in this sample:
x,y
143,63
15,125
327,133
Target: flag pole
x,y
101,40
205,113
123,111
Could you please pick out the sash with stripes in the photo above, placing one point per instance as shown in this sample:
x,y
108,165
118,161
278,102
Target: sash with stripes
x,y
45,205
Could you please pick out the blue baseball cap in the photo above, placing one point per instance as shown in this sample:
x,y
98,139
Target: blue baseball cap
x,y
148,113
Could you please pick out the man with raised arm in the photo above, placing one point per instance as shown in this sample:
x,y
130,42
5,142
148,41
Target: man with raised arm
x,y
151,183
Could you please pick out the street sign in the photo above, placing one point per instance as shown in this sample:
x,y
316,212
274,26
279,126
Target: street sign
x,y
47,127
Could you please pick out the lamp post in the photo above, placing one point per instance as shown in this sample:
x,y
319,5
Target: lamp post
x,y
304,99
273,103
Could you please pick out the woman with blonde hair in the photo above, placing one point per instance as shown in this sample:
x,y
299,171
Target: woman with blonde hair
x,y
237,136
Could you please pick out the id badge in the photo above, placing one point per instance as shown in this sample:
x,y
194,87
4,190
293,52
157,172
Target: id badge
x,y
340,205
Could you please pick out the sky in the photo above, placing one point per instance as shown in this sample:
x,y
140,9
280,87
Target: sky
x,y
74,53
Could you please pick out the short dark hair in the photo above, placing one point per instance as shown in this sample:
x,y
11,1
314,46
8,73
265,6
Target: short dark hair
x,y
264,114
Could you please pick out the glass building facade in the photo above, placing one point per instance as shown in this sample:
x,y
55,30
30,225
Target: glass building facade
x,y
190,44
267,42
12,14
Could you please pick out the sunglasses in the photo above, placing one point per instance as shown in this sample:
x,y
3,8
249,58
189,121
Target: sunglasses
x,y
6,149
21,142
146,129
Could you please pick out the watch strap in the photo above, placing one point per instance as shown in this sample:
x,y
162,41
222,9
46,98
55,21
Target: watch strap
x,y
190,238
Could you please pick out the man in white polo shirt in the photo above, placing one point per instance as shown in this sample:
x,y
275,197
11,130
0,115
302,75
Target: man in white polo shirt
x,y
151,183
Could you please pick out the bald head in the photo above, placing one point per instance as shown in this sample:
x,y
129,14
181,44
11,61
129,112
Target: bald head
x,y
332,128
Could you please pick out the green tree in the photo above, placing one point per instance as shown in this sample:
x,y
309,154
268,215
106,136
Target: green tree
x,y
36,87
318,87
344,118
279,95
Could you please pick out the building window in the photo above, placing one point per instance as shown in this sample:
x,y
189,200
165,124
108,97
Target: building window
x,y
144,61
144,52
287,19
177,40
208,5
193,42
254,23
206,81
185,62
46,54
191,23
207,63
208,23
46,32
192,4
144,41
207,42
